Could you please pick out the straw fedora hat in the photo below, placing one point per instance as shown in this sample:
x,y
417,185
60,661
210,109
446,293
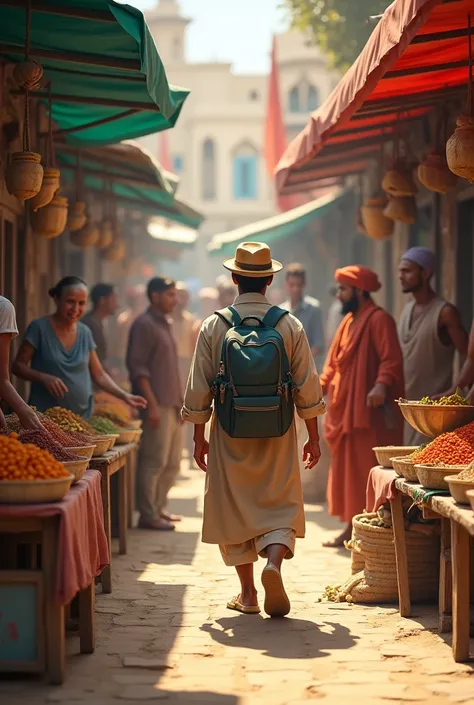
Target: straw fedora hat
x,y
253,259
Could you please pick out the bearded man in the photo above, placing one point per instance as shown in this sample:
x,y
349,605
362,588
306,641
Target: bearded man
x,y
430,332
362,376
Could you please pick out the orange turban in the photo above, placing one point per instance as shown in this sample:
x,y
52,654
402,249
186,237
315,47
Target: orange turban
x,y
358,277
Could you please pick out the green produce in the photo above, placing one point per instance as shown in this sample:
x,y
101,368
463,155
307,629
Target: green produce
x,y
103,426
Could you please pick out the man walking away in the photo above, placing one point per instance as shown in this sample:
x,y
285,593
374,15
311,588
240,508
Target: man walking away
x,y
104,304
430,332
152,362
253,500
184,329
227,291
362,376
305,308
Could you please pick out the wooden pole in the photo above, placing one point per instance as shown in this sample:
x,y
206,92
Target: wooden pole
x,y
77,13
90,125
91,100
74,57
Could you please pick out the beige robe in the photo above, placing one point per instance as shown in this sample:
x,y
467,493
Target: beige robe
x,y
253,485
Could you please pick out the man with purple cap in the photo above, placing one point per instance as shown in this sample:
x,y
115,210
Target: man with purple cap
x,y
430,332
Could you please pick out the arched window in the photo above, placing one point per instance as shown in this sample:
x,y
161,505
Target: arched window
x,y
245,172
294,100
313,98
208,174
303,98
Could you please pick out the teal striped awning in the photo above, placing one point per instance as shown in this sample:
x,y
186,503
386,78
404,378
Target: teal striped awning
x,y
280,226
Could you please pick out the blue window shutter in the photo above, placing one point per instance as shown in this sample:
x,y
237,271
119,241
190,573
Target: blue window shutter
x,y
245,177
178,162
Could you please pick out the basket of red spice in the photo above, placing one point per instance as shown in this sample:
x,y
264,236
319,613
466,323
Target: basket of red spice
x,y
453,448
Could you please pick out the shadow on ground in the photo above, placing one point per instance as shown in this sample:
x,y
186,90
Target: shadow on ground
x,y
281,638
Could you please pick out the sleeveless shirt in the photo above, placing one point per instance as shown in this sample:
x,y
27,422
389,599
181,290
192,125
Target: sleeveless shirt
x,y
428,364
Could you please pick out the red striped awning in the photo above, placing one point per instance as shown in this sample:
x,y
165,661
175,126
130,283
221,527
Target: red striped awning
x,y
415,59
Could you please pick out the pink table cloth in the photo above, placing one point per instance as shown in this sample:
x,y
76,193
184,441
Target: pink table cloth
x,y
380,487
83,549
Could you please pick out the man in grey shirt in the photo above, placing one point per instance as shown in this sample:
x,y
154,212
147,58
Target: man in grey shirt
x,y
305,308
104,304
153,365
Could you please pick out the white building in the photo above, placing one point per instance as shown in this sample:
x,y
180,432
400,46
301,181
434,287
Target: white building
x,y
217,146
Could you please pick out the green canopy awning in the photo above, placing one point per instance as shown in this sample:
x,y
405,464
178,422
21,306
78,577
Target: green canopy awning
x,y
108,82
129,174
278,226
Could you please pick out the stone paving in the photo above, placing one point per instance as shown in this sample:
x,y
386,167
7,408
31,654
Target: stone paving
x,y
164,634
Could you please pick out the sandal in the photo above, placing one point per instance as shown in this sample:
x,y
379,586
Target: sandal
x,y
236,604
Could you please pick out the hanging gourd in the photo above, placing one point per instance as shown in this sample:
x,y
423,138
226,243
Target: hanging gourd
x,y
87,236
23,172
51,175
398,180
401,209
375,223
28,73
50,221
77,216
116,251
106,227
460,146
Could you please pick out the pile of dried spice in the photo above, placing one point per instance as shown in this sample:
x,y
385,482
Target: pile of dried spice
x,y
454,448
45,441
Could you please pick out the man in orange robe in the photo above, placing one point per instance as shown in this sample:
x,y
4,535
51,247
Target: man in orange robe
x,y
362,377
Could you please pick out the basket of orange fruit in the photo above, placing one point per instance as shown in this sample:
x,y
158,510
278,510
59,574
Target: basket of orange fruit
x,y
30,475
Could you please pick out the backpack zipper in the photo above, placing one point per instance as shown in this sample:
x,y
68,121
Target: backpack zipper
x,y
256,408
256,345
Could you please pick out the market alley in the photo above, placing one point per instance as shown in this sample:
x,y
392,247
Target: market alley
x,y
164,634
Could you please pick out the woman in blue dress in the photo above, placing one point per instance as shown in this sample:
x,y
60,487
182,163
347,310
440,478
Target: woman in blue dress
x,y
58,356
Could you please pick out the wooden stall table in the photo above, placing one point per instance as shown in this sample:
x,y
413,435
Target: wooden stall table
x,y
115,461
457,525
67,549
131,470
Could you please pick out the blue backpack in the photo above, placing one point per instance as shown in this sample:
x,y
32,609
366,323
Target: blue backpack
x,y
253,389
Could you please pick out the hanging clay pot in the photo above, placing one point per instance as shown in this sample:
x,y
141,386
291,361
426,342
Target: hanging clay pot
x,y
398,181
76,217
28,75
50,221
24,175
376,224
460,148
435,174
87,236
106,234
115,252
401,209
48,188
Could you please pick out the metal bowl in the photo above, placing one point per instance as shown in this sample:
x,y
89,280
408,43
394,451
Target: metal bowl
x,y
434,419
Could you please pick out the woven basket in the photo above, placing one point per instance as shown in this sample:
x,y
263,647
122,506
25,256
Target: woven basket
x,y
431,477
405,468
34,492
77,468
384,454
101,446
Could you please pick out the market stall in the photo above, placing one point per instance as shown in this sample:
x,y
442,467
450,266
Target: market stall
x,y
55,503
438,480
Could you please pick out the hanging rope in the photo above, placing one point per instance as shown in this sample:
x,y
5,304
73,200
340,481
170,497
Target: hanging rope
x,y
79,177
28,31
50,150
26,123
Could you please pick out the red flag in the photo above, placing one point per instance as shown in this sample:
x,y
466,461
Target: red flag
x,y
164,156
275,132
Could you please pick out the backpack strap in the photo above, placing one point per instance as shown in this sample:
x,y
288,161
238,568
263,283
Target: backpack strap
x,y
230,316
273,315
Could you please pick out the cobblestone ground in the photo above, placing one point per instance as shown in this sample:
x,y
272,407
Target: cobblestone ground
x,y
164,634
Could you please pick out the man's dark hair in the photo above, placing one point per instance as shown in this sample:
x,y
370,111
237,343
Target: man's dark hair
x,y
251,285
100,291
158,285
295,270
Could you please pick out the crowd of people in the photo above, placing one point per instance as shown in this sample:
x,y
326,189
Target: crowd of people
x,y
167,363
